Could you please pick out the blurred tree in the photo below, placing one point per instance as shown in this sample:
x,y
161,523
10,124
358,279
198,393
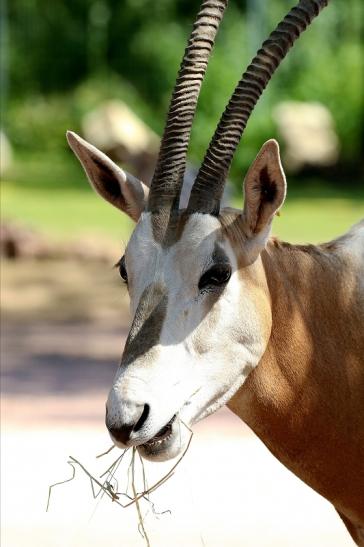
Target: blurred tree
x,y
3,58
55,47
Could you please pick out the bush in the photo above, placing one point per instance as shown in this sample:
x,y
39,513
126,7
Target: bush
x,y
72,56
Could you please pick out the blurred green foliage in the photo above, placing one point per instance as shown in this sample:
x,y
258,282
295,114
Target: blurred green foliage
x,y
66,57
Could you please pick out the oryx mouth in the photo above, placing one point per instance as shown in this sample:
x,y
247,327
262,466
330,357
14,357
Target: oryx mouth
x,y
165,444
162,435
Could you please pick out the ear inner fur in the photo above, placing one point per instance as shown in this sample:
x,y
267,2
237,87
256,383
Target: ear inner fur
x,y
265,188
115,185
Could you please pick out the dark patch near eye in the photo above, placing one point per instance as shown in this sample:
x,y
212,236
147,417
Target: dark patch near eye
x,y
268,187
219,272
168,226
219,255
216,276
108,183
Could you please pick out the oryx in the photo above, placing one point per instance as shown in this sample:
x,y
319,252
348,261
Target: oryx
x,y
224,314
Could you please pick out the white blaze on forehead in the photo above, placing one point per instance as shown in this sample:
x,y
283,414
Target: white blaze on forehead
x,y
148,262
198,228
142,257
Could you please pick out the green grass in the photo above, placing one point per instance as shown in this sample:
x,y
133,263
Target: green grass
x,y
50,193
316,220
63,213
67,213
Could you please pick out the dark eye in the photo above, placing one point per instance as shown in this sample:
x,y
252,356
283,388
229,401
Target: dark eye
x,y
215,276
122,269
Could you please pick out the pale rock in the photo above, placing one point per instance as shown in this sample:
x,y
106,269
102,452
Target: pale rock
x,y
309,135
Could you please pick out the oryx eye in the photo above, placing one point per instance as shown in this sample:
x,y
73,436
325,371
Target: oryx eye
x,y
122,269
218,275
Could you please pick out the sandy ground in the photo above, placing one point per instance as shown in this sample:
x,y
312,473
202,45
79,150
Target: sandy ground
x,y
58,359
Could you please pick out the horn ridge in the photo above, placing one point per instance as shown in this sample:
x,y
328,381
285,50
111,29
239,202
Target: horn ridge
x,y
209,185
168,175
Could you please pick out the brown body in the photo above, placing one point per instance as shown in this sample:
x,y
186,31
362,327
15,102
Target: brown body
x,y
225,315
305,399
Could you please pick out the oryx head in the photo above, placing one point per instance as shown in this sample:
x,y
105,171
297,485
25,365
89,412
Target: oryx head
x,y
201,311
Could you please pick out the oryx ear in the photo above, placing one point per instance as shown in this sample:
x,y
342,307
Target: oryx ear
x,y
265,191
110,181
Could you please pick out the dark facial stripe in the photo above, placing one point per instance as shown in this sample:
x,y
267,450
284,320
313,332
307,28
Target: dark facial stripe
x,y
147,323
219,256
168,226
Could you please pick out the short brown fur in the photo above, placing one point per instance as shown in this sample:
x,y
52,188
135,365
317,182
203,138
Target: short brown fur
x,y
305,399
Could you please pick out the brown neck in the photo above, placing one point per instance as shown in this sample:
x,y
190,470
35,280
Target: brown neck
x,y
305,398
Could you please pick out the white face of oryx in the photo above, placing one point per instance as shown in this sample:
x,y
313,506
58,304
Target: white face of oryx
x,y
201,320
200,351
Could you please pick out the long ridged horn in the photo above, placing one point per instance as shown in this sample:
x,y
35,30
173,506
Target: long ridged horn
x,y
168,176
209,184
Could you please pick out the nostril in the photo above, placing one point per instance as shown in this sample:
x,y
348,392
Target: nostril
x,y
143,418
131,419
121,434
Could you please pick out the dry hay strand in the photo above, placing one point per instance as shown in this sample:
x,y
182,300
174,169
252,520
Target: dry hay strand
x,y
109,486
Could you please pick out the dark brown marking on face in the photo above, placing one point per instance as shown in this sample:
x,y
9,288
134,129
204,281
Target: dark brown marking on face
x,y
168,226
160,222
201,340
147,323
219,256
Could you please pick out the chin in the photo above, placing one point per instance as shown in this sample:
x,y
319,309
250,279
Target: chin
x,y
169,446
